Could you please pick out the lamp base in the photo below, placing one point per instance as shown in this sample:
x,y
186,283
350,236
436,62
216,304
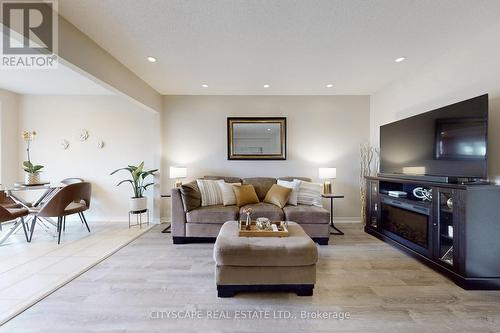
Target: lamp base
x,y
327,187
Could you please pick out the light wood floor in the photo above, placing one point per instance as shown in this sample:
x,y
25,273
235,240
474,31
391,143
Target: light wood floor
x,y
383,290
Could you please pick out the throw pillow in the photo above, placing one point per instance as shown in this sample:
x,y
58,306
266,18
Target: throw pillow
x,y
310,194
210,192
191,196
245,195
228,197
294,185
278,195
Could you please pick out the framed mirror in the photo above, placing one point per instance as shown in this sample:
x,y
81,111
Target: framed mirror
x,y
256,138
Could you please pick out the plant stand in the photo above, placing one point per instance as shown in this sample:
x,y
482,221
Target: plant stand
x,y
138,217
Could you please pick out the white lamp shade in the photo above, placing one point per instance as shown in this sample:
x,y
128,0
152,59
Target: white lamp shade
x,y
178,172
327,173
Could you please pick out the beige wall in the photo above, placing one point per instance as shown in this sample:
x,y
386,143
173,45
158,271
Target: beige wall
x,y
322,131
457,75
9,136
130,133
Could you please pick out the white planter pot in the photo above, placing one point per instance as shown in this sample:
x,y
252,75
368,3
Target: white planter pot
x,y
31,178
138,204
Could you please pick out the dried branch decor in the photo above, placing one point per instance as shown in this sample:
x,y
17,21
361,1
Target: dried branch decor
x,y
369,164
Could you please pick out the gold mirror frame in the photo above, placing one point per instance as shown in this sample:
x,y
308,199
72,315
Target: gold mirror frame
x,y
231,121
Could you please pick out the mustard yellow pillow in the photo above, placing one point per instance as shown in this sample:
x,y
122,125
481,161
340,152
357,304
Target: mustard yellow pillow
x,y
278,195
245,195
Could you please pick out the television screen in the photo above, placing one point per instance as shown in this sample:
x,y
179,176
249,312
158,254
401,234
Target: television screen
x,y
450,141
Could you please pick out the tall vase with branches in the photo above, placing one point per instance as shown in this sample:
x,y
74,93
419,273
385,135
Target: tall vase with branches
x,y
369,165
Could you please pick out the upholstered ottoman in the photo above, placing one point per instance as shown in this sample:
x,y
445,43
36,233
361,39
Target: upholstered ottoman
x,y
264,263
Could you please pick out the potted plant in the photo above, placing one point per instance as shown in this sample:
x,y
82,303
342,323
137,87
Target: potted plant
x,y
138,182
32,171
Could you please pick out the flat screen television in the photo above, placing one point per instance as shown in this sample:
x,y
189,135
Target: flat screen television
x,y
448,142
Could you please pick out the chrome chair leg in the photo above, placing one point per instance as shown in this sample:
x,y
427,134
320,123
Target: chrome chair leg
x,y
84,220
33,223
11,231
24,229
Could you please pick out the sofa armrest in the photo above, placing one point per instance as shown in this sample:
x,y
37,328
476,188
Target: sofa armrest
x,y
178,214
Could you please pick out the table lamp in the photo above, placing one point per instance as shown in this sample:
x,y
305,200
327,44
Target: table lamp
x,y
177,173
327,174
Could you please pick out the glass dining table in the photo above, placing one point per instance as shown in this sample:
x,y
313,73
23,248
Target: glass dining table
x,y
40,193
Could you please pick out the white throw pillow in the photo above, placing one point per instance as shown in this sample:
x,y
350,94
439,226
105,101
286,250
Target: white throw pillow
x,y
228,197
310,194
294,185
210,192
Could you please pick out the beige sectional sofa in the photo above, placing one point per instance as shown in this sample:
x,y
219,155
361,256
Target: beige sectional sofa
x,y
203,223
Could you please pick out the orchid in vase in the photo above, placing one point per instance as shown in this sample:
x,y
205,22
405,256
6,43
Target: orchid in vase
x,y
248,211
32,171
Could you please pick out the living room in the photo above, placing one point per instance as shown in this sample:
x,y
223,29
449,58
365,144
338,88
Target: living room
x,y
212,230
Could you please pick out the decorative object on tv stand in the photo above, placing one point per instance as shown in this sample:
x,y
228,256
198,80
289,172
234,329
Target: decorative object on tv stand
x,y
369,165
178,173
64,144
327,174
32,171
138,182
248,211
423,193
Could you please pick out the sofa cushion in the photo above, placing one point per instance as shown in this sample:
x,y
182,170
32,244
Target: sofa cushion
x,y
224,178
245,194
212,214
278,195
306,214
310,194
261,185
294,185
211,194
263,209
191,196
228,196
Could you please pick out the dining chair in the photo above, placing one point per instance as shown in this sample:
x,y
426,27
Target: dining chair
x,y
69,181
13,214
7,202
69,200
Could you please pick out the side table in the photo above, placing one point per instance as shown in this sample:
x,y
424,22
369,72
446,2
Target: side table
x,y
167,229
332,225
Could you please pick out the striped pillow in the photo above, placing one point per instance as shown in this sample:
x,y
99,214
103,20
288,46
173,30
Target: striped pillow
x,y
309,194
210,192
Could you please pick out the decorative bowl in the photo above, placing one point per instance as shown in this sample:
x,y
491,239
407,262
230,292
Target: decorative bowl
x,y
263,223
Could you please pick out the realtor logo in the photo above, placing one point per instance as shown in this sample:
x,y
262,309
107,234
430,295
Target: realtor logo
x,y
29,34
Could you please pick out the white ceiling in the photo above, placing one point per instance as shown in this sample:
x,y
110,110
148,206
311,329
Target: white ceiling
x,y
295,46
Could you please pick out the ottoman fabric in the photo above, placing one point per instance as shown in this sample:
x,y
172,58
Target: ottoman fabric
x,y
298,249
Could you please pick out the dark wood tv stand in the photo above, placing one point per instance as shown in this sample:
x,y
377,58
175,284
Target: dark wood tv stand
x,y
456,231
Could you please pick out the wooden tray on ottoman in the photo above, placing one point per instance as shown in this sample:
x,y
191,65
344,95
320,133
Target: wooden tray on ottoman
x,y
254,232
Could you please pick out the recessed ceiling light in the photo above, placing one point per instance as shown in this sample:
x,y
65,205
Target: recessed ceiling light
x,y
151,59
400,59
329,85
266,86
204,85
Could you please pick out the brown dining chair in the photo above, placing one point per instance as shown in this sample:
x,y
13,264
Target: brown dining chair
x,y
69,181
13,214
69,200
7,202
